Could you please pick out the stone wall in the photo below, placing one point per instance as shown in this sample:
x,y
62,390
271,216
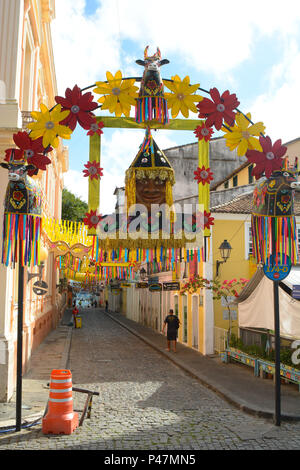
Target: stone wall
x,y
184,160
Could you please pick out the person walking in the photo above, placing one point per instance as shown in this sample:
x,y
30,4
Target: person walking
x,y
75,312
172,323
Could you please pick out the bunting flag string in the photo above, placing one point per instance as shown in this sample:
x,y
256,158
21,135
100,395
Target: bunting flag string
x,y
21,239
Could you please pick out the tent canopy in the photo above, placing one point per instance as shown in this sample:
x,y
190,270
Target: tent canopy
x,y
256,304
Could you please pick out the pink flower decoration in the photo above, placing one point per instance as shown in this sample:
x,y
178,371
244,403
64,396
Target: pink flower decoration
x,y
203,132
203,175
92,219
93,170
208,219
96,128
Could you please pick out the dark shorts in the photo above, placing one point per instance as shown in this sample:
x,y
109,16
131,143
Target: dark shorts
x,y
172,335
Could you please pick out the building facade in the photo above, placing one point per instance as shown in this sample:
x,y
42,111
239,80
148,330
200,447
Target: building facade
x,y
27,78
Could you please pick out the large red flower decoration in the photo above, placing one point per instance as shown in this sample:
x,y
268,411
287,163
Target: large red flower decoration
x,y
96,128
269,160
93,170
31,150
203,132
92,219
218,109
27,148
40,162
203,175
80,107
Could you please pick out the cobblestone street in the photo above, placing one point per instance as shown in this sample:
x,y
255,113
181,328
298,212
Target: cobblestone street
x,y
146,402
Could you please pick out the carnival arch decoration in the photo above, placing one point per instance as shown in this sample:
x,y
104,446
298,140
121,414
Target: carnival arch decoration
x,y
119,95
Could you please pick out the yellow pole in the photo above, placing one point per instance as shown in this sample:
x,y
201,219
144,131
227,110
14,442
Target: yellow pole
x,y
94,184
203,190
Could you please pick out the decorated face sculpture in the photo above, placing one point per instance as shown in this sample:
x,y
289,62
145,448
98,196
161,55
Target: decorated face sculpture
x,y
150,191
274,196
150,177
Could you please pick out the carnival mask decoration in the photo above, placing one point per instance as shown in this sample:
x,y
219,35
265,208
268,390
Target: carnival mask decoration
x,y
22,215
150,177
273,221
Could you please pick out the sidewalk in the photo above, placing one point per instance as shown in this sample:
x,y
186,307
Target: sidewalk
x,y
234,382
51,354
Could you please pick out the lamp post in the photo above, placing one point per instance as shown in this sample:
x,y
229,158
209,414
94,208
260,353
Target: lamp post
x,y
225,250
43,257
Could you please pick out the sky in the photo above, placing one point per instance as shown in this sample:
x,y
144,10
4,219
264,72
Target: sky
x,y
251,49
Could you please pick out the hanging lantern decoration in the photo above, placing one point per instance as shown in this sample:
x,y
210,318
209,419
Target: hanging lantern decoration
x,y
150,177
273,222
22,215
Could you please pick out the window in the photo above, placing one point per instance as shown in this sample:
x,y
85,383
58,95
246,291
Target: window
x,y
248,240
184,319
176,304
226,184
235,181
250,176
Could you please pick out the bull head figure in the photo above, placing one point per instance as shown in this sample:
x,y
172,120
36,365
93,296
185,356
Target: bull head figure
x,y
23,195
151,104
151,84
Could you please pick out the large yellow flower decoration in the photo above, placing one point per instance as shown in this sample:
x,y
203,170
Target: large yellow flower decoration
x,y
182,98
47,125
119,95
242,134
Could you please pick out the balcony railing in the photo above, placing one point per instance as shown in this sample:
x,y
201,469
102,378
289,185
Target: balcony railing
x,y
26,118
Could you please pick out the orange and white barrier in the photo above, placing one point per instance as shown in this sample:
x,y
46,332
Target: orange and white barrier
x,y
60,417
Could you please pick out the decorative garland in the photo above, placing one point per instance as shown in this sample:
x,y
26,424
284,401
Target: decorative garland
x,y
118,95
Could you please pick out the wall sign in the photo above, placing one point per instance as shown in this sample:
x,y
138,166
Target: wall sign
x,y
142,285
155,287
40,287
296,292
171,285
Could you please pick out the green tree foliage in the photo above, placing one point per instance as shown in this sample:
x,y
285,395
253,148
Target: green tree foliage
x,y
73,208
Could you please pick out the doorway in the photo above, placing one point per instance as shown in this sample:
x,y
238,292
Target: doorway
x,y
184,319
195,316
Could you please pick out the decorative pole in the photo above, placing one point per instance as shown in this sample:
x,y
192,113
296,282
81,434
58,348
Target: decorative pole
x,y
277,353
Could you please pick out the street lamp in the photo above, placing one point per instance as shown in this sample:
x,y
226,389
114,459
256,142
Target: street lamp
x,y
43,258
225,250
42,290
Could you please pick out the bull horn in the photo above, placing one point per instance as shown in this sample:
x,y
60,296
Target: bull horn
x,y
146,52
158,53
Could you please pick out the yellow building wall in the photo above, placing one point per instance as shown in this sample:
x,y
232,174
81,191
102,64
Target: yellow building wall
x,y
188,298
243,178
237,266
293,151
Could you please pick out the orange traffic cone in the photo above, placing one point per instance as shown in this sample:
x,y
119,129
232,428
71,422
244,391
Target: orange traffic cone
x,y
60,418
